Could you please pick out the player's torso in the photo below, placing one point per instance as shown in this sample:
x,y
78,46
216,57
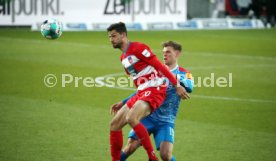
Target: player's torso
x,y
143,74
130,62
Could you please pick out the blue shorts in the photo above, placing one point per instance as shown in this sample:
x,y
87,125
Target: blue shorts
x,y
161,132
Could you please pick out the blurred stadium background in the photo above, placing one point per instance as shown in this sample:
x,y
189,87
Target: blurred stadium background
x,y
71,123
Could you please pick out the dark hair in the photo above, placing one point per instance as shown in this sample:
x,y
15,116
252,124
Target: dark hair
x,y
119,27
173,44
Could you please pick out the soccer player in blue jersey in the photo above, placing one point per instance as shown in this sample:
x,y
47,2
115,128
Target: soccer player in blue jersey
x,y
161,122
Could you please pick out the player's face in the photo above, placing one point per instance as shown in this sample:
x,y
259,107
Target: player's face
x,y
115,38
170,55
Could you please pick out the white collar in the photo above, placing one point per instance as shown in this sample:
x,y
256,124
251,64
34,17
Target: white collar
x,y
174,68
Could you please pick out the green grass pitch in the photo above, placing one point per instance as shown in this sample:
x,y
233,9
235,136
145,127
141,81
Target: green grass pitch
x,y
38,123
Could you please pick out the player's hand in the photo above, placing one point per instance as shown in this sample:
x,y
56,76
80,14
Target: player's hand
x,y
116,107
182,92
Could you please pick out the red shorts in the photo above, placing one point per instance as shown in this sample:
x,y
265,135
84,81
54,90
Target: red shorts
x,y
155,96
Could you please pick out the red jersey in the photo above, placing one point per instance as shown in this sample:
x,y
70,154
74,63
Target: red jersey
x,y
144,67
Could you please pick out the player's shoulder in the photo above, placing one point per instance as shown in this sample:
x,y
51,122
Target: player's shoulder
x,y
140,49
184,70
139,45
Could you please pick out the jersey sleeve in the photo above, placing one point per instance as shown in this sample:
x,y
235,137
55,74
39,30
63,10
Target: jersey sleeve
x,y
144,53
186,80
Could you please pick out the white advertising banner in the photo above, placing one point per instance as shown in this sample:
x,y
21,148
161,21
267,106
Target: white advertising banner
x,y
29,12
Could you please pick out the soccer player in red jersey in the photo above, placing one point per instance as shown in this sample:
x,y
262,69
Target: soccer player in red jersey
x,y
148,76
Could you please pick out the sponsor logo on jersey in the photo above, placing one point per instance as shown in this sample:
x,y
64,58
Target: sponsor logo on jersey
x,y
130,60
189,76
146,53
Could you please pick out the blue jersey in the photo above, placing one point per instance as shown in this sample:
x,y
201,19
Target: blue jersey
x,y
167,112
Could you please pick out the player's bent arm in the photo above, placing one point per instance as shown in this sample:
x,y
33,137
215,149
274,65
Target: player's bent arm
x,y
150,58
187,83
153,61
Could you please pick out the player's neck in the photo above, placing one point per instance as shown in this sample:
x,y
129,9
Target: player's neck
x,y
172,66
125,46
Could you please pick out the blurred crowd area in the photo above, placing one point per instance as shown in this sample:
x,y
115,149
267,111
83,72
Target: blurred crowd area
x,y
260,9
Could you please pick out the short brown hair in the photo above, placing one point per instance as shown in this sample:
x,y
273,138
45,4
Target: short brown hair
x,y
119,27
172,44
